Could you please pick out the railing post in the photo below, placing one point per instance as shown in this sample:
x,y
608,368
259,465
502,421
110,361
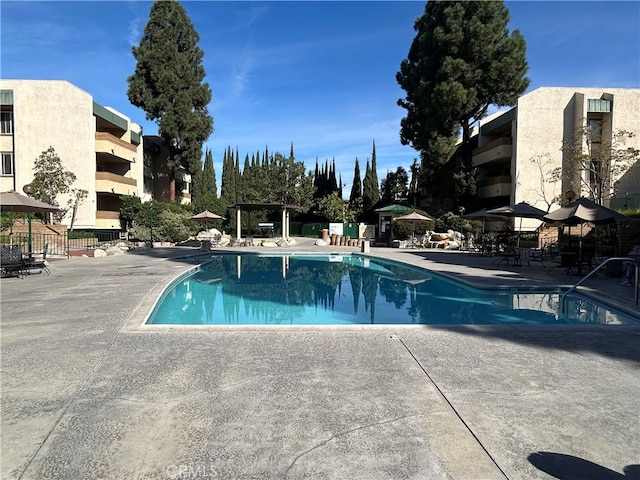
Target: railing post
x,y
582,280
635,282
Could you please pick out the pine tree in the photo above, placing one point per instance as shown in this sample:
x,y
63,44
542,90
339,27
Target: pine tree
x,y
461,61
168,85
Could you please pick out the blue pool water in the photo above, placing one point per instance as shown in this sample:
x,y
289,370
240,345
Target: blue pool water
x,y
351,289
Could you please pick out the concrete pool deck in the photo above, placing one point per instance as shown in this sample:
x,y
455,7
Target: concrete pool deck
x,y
88,392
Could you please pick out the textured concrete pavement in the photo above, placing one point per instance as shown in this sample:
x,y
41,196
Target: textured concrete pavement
x,y
88,392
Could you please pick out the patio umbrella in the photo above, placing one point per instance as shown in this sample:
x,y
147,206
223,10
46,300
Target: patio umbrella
x,y
484,215
206,216
413,217
583,210
522,210
13,201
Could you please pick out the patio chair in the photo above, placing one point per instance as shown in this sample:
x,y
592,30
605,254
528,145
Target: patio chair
x,y
535,255
203,249
215,241
11,261
32,263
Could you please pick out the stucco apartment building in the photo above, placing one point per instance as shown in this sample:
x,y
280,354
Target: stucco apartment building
x,y
102,147
517,147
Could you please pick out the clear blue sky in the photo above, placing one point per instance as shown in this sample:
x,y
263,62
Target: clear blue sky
x,y
318,74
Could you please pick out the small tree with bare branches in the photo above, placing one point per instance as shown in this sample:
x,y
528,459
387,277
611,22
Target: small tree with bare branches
x,y
597,161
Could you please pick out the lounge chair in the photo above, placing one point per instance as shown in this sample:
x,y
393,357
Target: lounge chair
x,y
203,249
38,263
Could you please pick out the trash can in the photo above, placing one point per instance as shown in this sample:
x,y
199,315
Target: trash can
x,y
366,246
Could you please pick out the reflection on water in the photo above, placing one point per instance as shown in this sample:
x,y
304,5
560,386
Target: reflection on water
x,y
336,289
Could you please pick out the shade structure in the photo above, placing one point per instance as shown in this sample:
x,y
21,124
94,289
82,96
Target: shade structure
x,y
521,210
485,216
413,217
584,210
206,215
394,208
15,202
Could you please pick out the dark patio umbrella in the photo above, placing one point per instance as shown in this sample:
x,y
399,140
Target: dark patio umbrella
x,y
522,210
13,201
584,210
16,202
484,215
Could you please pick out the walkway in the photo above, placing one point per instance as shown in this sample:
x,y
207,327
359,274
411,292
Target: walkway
x,y
89,392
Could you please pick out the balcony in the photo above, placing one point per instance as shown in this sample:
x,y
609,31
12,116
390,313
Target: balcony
x,y
498,150
116,149
498,186
107,219
107,182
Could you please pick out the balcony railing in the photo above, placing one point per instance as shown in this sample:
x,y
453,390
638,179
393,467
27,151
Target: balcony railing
x,y
107,182
116,147
498,186
499,149
107,219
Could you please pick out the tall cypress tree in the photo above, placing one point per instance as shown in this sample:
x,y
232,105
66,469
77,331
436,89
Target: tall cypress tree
x,y
355,198
168,84
237,177
367,191
228,189
196,185
374,175
246,180
209,176
333,182
370,187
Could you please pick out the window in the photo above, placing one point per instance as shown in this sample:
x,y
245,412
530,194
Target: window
x,y
6,122
594,127
148,184
7,164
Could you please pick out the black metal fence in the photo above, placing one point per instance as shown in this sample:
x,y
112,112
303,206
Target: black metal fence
x,y
60,245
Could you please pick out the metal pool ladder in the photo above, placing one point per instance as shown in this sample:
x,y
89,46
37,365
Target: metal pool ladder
x,y
582,280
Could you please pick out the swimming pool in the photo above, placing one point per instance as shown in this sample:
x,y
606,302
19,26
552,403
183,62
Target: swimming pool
x,y
301,289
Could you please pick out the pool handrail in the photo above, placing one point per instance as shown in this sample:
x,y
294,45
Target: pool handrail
x,y
583,279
